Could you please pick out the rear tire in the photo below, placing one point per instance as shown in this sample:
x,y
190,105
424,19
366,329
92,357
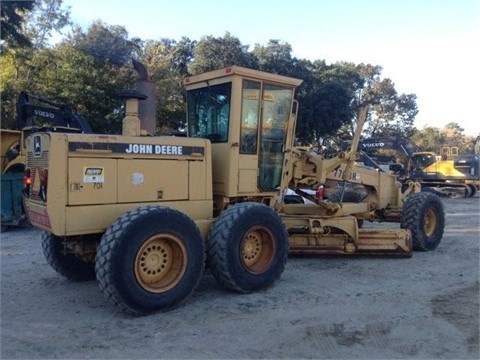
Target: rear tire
x,y
247,247
424,216
66,264
150,259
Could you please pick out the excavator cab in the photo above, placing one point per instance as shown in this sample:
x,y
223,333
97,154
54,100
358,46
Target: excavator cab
x,y
422,159
247,115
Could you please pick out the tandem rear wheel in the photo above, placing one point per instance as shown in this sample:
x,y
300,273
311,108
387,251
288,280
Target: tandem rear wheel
x,y
150,259
65,262
247,247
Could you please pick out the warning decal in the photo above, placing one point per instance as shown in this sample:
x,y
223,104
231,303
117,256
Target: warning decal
x,y
93,174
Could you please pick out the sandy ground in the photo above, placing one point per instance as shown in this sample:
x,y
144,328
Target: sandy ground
x,y
425,307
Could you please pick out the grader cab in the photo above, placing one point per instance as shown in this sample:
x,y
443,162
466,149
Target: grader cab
x,y
143,215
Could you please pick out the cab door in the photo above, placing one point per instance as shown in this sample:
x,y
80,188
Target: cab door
x,y
249,129
265,113
277,106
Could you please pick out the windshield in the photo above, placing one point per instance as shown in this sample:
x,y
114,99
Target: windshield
x,y
421,161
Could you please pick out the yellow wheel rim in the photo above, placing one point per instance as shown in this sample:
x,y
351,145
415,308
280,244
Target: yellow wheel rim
x,y
430,222
258,250
160,263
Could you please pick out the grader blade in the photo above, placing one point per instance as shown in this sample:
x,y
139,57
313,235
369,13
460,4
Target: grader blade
x,y
388,242
370,242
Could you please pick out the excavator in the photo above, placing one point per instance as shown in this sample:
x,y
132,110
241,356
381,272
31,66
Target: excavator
x,y
34,114
447,174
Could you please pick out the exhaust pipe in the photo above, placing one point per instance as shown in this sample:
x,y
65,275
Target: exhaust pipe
x,y
147,108
131,123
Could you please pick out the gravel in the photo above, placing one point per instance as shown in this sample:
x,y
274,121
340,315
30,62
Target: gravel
x,y
424,307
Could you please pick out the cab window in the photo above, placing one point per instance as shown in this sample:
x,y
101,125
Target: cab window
x,y
277,102
208,112
250,115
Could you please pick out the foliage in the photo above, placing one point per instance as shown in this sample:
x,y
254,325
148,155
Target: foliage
x,y
22,60
324,110
7,78
167,61
48,18
106,44
327,98
451,136
275,58
76,78
13,14
89,67
215,53
88,77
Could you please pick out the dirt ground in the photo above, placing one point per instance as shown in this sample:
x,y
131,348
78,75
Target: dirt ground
x,y
425,307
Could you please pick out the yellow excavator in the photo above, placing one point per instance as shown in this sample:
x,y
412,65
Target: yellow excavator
x,y
447,174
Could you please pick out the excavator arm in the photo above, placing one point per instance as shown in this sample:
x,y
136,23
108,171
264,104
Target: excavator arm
x,y
34,110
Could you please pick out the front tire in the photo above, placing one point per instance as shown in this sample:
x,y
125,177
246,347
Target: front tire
x,y
66,264
424,216
247,247
150,259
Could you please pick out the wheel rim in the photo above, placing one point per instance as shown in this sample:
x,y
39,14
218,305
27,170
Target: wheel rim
x,y
430,222
258,250
160,263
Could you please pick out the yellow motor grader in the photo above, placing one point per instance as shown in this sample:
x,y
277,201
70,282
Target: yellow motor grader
x,y
145,214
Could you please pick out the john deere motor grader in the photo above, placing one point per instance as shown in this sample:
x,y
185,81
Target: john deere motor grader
x,y
144,214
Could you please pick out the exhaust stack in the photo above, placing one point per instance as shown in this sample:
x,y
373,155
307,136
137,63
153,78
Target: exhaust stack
x,y
131,122
147,108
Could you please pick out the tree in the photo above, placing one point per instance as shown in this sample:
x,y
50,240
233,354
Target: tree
x,y
325,102
167,62
13,15
89,70
428,139
106,43
451,136
389,114
275,57
216,53
22,61
48,18
454,137
79,72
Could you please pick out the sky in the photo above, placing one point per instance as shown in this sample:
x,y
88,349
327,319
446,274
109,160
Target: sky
x,y
426,47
